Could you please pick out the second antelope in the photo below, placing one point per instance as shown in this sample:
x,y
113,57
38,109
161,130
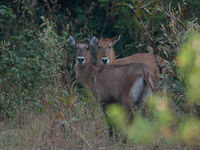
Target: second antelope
x,y
106,55
128,85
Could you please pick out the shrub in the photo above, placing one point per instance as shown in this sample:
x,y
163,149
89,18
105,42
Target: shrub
x,y
30,62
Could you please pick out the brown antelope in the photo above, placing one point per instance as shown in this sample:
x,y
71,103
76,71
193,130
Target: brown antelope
x,y
127,85
106,55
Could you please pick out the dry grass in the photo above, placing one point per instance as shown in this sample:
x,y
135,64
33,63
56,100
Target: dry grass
x,y
73,128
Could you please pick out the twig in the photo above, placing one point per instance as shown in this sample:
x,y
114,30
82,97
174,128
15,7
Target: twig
x,y
105,22
78,133
173,17
167,12
3,133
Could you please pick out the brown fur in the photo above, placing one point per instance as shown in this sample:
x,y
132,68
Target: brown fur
x,y
106,50
111,83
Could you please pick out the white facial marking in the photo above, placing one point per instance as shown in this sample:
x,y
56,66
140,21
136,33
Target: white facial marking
x,y
105,60
80,60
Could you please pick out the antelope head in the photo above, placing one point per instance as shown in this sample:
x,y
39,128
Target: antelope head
x,y
83,53
106,53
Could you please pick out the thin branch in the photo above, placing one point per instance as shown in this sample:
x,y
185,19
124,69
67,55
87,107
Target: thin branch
x,y
78,133
105,22
167,12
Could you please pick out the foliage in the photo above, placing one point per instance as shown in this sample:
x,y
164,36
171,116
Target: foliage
x,y
30,62
188,60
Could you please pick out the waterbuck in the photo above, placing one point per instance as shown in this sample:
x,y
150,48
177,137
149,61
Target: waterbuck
x,y
128,85
106,55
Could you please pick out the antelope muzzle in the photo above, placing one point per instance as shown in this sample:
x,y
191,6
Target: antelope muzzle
x,y
105,60
80,60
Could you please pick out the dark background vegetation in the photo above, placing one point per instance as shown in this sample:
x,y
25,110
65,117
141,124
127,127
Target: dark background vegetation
x,y
34,53
36,64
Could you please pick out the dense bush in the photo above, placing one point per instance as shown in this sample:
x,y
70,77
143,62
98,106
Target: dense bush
x,y
30,62
33,52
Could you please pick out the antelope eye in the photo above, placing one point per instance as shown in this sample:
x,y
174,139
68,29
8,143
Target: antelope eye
x,y
99,46
109,46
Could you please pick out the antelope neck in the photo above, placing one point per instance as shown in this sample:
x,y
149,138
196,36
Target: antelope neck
x,y
86,76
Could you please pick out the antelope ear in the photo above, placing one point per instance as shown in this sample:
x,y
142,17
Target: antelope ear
x,y
93,41
71,41
116,39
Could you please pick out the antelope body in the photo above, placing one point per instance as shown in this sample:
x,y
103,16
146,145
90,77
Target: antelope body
x,y
128,85
125,84
106,55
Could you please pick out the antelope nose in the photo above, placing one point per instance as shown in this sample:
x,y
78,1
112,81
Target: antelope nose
x,y
105,60
81,60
